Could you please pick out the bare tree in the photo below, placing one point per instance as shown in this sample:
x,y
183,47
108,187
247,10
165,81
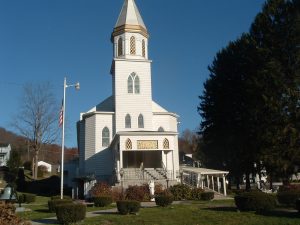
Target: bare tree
x,y
37,118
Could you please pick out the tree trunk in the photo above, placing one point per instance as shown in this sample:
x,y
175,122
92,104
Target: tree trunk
x,y
36,156
248,186
271,182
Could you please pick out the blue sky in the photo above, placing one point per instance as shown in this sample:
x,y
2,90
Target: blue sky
x,y
45,40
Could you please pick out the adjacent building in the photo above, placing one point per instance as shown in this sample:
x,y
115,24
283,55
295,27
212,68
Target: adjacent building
x,y
4,153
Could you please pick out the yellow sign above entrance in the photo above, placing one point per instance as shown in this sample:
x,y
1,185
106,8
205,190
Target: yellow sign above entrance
x,y
147,144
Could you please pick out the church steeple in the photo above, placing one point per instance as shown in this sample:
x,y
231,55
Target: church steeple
x,y
130,20
130,35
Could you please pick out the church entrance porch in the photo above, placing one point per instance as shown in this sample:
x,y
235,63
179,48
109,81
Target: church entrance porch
x,y
142,159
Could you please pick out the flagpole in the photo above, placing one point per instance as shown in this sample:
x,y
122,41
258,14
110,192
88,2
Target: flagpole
x,y
77,87
63,143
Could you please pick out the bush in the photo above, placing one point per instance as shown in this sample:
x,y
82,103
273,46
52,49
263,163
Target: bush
x,y
288,197
138,193
100,189
27,165
164,199
70,213
298,205
126,206
21,199
8,216
42,170
117,194
255,201
102,201
29,198
180,192
52,204
55,197
207,196
196,193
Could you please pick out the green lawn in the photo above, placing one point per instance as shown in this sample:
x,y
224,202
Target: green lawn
x,y
216,212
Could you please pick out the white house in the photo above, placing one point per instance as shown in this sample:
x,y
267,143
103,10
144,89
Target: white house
x,y
128,136
47,165
4,153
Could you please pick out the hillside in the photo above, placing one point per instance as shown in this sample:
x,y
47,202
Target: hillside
x,y
49,153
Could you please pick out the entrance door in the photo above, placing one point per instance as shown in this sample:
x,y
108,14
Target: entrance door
x,y
150,159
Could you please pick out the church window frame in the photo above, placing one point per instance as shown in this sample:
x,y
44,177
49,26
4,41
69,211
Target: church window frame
x,y
161,129
133,84
128,144
132,45
143,48
130,84
105,137
120,46
166,144
127,121
141,121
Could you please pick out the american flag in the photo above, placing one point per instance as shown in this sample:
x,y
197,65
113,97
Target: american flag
x,y
61,114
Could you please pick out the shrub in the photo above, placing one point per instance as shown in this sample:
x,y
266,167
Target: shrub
x,y
29,198
101,189
55,197
117,194
126,206
42,170
138,193
180,192
102,201
27,165
255,201
196,193
158,189
52,204
70,213
164,199
8,216
21,199
298,205
207,196
288,197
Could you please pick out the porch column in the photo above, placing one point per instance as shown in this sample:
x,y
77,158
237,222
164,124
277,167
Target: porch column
x,y
121,159
198,180
218,183
207,178
213,183
224,185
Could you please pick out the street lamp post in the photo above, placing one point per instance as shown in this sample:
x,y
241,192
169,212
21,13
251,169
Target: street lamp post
x,y
77,87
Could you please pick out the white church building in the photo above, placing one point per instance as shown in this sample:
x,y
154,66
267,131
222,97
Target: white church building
x,y
128,137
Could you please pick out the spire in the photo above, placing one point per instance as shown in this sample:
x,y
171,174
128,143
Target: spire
x,y
130,20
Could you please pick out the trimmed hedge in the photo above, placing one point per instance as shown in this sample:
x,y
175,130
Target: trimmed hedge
x,y
126,206
255,201
55,197
102,201
180,192
164,199
288,197
298,205
70,213
207,196
138,193
196,193
52,204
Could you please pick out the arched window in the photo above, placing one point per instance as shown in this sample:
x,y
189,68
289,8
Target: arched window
x,y
133,82
132,46
130,84
161,129
141,121
105,137
137,85
143,48
166,144
127,121
128,144
120,46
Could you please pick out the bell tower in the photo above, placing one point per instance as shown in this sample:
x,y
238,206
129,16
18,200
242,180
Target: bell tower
x,y
131,71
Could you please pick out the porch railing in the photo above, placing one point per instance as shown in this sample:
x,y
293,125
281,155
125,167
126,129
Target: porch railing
x,y
147,174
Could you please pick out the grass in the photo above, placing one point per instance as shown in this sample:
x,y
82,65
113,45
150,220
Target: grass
x,y
216,212
204,213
